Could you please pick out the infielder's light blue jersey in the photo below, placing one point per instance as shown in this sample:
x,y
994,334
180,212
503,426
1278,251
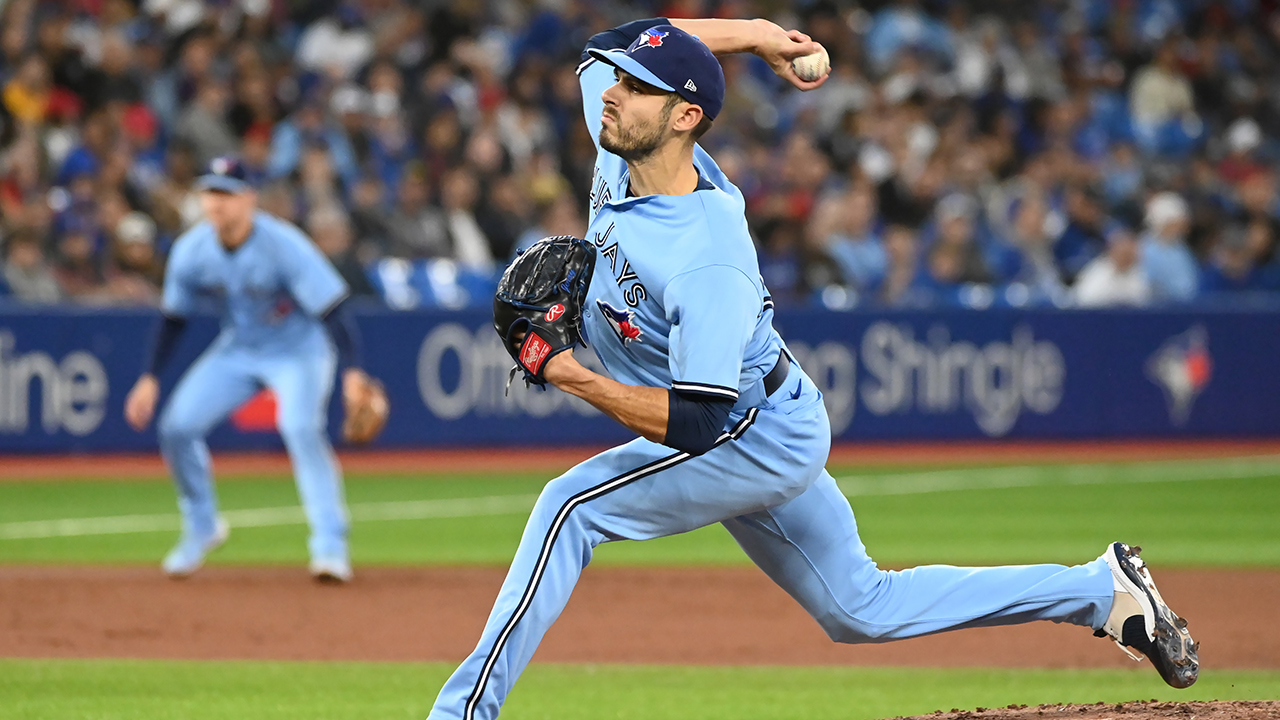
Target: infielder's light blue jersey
x,y
270,291
676,299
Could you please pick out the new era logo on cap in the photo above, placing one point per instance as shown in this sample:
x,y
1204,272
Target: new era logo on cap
x,y
688,85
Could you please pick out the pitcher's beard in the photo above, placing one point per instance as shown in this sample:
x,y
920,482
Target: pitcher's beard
x,y
631,146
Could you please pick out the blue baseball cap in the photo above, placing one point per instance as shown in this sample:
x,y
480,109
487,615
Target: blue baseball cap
x,y
225,174
671,59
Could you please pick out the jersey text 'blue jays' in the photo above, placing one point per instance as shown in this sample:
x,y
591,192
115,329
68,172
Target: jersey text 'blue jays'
x,y
677,299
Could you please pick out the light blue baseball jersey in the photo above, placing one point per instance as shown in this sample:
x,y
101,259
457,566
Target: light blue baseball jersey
x,y
270,291
676,299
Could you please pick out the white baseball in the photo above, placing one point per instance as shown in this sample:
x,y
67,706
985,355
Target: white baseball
x,y
812,67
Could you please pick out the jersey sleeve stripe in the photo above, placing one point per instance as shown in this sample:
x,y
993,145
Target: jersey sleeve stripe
x,y
705,389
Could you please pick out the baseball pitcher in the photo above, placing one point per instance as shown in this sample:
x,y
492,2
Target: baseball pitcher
x,y
732,430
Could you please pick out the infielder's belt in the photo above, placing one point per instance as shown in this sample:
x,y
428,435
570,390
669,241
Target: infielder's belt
x,y
778,375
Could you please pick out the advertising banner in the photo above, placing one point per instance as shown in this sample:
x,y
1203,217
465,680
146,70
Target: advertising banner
x,y
956,375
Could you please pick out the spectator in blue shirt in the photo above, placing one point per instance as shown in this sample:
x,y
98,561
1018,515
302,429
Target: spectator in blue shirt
x,y
906,26
1122,175
1166,258
904,284
306,127
854,243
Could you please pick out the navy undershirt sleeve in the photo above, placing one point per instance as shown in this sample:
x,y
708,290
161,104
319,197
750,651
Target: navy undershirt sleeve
x,y
695,421
621,36
165,340
346,337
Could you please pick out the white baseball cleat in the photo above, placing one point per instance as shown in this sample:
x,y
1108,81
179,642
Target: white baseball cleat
x,y
188,555
336,570
1140,619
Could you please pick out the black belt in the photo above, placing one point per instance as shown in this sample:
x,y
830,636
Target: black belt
x,y
778,375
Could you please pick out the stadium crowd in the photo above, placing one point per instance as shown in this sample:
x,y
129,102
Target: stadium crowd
x,y
1058,152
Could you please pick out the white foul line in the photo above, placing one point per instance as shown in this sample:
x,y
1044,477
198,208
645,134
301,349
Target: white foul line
x,y
900,483
267,517
1023,476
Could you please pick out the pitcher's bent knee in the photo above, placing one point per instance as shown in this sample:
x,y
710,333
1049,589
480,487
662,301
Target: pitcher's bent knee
x,y
845,622
848,630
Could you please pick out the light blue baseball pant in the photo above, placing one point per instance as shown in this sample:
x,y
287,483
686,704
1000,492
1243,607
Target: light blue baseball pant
x,y
767,484
221,380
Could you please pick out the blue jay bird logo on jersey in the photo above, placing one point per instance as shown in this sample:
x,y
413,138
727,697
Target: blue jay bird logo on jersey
x,y
622,322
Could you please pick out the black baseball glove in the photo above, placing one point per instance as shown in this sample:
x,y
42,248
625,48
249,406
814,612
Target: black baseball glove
x,y
537,310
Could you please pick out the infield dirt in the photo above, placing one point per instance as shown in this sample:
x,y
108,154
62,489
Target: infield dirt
x,y
638,615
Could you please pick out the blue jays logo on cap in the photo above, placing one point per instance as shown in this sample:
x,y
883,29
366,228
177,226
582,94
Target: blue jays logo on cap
x,y
650,38
685,66
225,174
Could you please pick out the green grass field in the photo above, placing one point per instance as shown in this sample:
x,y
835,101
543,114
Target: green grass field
x,y
1219,513
1193,513
107,690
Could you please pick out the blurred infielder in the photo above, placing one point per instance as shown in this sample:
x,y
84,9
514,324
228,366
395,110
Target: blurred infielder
x,y
733,431
284,326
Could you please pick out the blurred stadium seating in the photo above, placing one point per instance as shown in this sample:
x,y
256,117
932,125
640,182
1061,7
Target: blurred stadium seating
x,y
1049,153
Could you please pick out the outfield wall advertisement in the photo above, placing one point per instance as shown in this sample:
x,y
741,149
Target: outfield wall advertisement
x,y
959,375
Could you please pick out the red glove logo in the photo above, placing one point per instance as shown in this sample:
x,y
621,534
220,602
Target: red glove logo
x,y
534,353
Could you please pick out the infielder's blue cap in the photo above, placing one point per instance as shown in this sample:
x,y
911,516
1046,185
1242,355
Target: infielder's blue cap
x,y
671,59
225,174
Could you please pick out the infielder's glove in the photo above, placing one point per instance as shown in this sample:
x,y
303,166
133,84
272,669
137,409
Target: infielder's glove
x,y
365,412
537,310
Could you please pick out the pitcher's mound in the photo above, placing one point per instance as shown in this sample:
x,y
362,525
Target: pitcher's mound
x,y
1216,710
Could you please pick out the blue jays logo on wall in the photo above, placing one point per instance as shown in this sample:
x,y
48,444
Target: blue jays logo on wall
x,y
650,39
622,322
1182,367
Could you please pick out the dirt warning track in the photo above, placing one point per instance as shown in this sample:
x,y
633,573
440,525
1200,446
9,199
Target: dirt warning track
x,y
661,615
425,462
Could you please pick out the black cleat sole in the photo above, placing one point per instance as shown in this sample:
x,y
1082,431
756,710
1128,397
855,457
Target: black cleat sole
x,y
1173,652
